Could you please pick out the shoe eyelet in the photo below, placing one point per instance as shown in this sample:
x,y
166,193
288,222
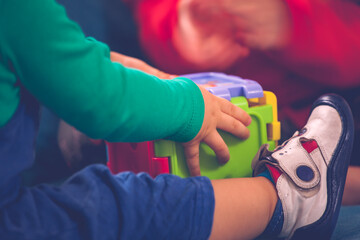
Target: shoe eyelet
x,y
302,131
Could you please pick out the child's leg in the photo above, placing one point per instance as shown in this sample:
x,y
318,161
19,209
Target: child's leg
x,y
94,204
352,187
308,172
243,207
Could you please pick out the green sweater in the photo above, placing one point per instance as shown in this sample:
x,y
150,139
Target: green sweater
x,y
73,76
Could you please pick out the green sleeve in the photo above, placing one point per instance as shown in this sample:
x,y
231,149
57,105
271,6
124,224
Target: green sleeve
x,y
74,77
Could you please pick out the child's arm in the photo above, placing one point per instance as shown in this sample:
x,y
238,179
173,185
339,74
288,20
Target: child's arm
x,y
75,77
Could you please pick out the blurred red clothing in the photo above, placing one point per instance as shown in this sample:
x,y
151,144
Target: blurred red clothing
x,y
322,55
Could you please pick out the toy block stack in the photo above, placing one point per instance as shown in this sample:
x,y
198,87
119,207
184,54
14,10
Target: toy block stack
x,y
164,156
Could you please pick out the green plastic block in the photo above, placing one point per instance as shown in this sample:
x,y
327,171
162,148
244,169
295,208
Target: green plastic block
x,y
241,151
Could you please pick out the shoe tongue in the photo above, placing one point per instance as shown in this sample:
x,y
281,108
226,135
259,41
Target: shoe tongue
x,y
261,155
269,158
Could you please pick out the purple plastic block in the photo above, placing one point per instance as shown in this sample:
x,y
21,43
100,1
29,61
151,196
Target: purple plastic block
x,y
227,86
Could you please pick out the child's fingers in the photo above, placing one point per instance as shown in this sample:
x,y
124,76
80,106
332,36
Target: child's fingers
x,y
234,111
233,126
192,158
217,144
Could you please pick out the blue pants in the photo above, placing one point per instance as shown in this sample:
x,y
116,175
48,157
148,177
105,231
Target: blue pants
x,y
94,204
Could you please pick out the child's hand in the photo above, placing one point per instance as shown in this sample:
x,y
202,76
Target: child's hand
x,y
259,24
229,28
139,64
204,36
219,113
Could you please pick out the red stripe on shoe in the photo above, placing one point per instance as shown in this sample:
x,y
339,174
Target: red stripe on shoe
x,y
274,172
310,146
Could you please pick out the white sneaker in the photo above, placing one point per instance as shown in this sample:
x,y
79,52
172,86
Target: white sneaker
x,y
310,170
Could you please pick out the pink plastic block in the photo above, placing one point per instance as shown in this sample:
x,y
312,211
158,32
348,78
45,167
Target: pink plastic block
x,y
136,157
160,165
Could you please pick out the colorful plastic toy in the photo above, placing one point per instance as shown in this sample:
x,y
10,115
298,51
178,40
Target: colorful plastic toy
x,y
156,157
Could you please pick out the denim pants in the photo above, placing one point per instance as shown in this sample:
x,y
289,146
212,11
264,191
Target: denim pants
x,y
94,204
